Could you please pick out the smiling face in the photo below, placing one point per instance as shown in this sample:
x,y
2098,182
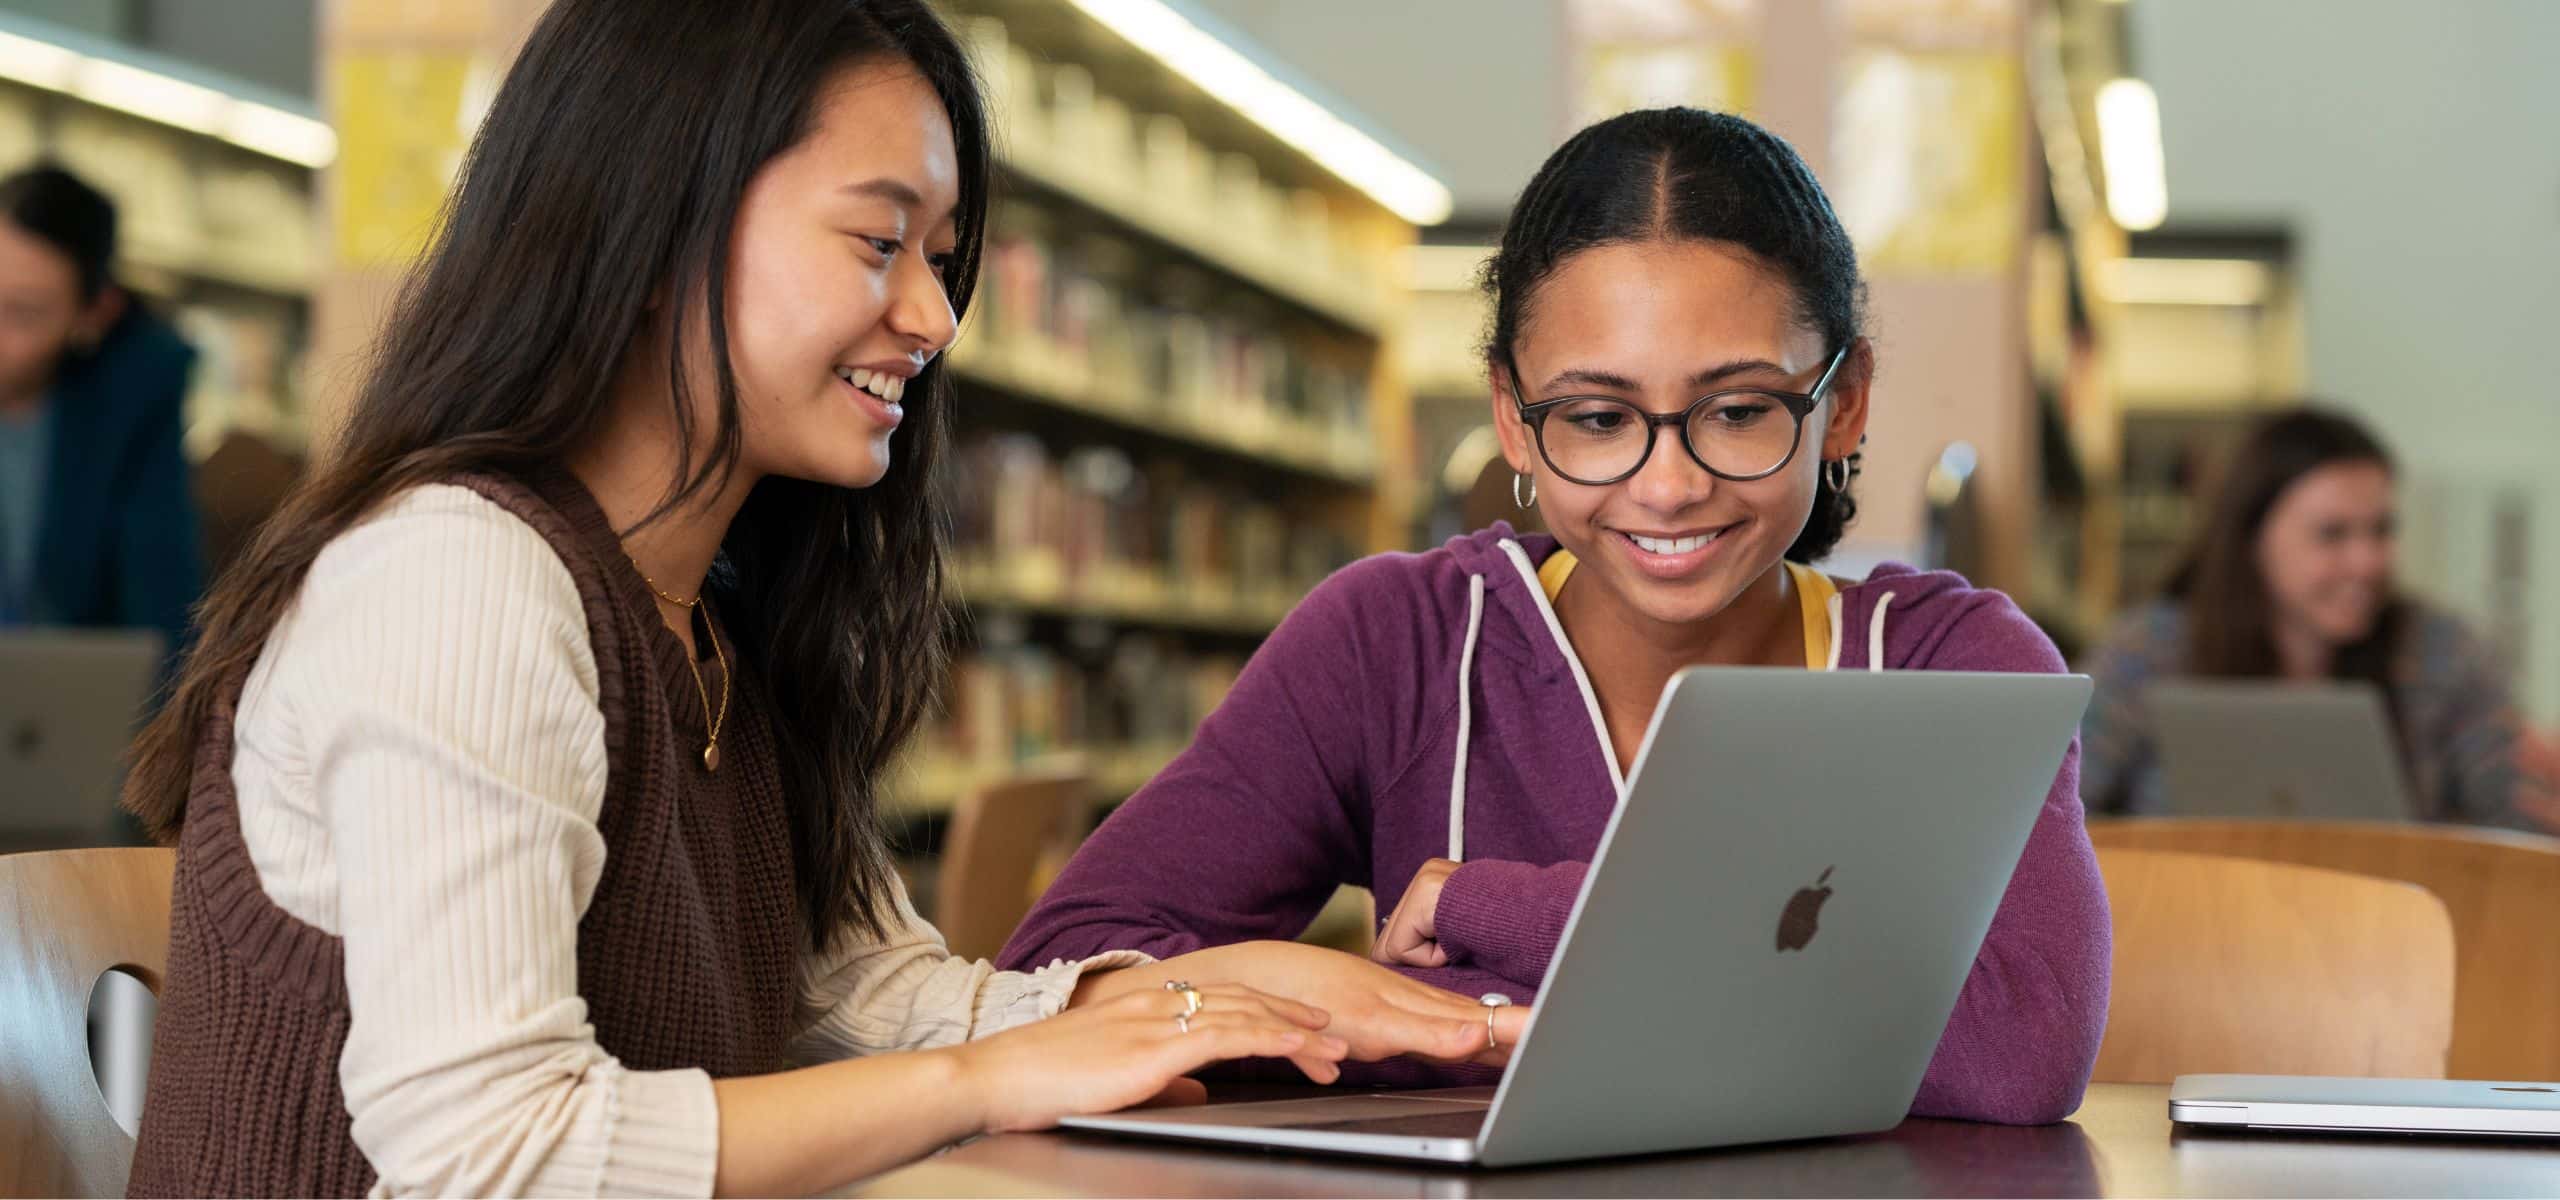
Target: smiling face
x,y
2325,551
1660,324
836,296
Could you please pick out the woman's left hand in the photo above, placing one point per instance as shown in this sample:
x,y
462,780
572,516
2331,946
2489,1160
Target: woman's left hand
x,y
1380,1013
1412,935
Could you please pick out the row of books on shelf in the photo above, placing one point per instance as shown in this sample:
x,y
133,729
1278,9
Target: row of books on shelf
x,y
1085,316
928,782
1093,527
1033,369
1036,581
1123,705
1153,171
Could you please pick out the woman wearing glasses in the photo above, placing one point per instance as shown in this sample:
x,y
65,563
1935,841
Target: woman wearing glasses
x,y
1681,383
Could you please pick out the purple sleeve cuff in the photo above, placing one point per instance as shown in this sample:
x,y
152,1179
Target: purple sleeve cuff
x,y
1506,917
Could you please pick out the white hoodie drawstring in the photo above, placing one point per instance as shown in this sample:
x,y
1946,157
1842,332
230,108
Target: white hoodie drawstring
x,y
1875,633
1466,677
1834,606
1466,713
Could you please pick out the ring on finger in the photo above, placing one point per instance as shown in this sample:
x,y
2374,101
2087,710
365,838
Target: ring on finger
x,y
1190,1002
1492,1001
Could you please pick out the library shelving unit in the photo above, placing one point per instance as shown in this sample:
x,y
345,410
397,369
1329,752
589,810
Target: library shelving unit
x,y
1180,401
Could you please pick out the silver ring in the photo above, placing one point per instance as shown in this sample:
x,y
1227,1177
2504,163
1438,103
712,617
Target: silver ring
x,y
1190,1002
1492,1001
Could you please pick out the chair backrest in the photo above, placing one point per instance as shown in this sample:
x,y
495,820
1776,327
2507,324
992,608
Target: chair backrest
x,y
991,856
2257,968
66,917
2502,890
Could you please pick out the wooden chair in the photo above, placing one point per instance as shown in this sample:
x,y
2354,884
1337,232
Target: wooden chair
x,y
992,857
2228,965
2502,889
67,916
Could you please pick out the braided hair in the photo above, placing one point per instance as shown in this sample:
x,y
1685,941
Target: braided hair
x,y
1687,174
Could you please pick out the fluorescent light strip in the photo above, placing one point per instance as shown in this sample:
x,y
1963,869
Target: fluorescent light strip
x,y
2235,282
37,64
259,128
148,94
280,134
1239,82
2129,147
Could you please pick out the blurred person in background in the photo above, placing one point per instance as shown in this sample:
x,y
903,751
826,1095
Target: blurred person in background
x,y
96,525
2290,577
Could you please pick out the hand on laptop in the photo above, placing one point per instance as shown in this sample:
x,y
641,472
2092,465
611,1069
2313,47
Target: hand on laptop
x,y
1380,1013
1134,1049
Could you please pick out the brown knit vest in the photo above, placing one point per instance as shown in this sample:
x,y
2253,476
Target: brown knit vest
x,y
687,954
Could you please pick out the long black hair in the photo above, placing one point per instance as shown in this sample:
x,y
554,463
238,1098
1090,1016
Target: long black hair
x,y
608,171
2230,613
61,210
1687,174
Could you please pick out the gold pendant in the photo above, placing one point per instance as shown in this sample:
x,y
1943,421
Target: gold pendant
x,y
711,757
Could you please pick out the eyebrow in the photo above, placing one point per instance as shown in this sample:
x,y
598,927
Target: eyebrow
x,y
891,190
1706,378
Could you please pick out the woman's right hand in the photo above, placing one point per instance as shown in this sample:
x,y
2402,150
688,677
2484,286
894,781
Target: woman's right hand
x,y
1130,1050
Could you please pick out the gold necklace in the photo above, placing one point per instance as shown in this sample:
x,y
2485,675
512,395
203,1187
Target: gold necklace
x,y
711,749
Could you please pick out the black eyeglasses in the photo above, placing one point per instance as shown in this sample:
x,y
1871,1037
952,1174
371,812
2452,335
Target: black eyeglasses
x,y
1736,434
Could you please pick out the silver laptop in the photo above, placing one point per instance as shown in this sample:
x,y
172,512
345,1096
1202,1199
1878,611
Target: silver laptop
x,y
68,710
1770,939
2461,1107
2236,748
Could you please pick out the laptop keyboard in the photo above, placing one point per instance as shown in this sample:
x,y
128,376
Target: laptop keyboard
x,y
1465,1124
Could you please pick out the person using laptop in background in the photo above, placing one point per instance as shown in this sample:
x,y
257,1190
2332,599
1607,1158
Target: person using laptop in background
x,y
1680,376
97,529
525,779
2290,577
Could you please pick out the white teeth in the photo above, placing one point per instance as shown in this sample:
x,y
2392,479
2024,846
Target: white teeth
x,y
1670,545
886,386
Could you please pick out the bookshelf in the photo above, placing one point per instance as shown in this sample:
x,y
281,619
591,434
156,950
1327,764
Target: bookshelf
x,y
1180,407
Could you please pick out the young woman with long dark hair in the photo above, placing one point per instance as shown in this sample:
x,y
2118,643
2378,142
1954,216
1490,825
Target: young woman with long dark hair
x,y
525,780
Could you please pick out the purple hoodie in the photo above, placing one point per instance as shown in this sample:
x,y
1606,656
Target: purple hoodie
x,y
1331,763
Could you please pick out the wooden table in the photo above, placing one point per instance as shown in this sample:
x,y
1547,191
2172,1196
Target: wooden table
x,y
2119,1144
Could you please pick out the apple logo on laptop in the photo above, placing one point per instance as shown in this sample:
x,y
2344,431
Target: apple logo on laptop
x,y
1803,917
